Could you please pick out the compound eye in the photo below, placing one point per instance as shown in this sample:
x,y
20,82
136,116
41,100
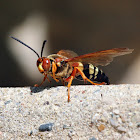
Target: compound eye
x,y
39,61
46,64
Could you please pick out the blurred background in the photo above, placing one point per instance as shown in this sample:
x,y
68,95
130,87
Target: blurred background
x,y
78,25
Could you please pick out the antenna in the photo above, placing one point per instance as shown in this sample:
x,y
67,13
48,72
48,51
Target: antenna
x,y
28,46
43,46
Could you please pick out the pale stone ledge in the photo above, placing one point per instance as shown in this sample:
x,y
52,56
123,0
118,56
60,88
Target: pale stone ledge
x,y
114,115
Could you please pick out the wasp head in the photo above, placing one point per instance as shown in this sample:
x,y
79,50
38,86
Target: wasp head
x,y
43,64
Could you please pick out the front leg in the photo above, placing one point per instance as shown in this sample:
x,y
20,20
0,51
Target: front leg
x,y
36,85
54,69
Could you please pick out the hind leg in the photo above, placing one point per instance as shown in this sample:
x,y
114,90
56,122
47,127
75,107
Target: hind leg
x,y
70,78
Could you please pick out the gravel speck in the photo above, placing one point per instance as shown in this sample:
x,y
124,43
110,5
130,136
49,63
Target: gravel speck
x,y
116,111
138,125
129,134
113,123
136,117
93,138
66,127
46,103
7,102
71,133
101,127
30,133
121,129
45,127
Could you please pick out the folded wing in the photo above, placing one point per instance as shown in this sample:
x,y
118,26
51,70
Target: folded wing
x,y
100,58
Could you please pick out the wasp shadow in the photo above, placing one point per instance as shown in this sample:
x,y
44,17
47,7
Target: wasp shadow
x,y
38,89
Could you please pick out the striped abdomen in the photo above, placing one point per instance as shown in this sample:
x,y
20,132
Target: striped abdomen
x,y
94,74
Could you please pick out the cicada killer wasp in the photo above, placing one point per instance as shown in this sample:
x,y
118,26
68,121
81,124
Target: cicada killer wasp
x,y
67,65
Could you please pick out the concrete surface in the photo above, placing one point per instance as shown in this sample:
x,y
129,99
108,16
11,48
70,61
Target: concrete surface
x,y
114,115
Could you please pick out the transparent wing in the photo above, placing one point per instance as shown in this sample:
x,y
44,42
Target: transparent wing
x,y
100,58
67,53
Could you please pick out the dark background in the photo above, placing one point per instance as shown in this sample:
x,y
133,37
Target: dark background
x,y
81,26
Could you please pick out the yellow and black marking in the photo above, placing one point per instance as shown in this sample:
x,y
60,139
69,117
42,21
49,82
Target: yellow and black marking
x,y
64,70
94,74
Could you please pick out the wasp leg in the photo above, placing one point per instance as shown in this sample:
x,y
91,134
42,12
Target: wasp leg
x,y
70,78
63,82
54,69
36,85
86,79
69,85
